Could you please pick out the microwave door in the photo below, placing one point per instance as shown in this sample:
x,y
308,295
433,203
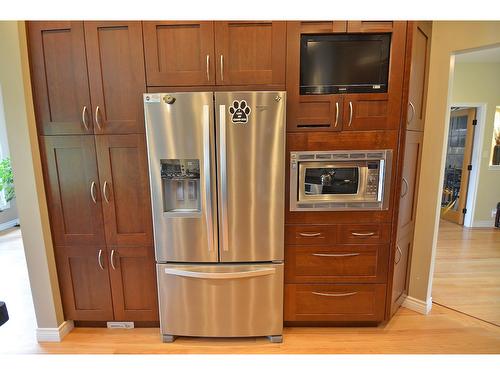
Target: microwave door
x,y
250,162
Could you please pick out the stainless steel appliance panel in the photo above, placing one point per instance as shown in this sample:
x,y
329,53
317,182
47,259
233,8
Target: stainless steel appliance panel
x,y
251,162
180,138
222,300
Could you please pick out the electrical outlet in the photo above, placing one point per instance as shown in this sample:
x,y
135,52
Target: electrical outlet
x,y
123,325
494,212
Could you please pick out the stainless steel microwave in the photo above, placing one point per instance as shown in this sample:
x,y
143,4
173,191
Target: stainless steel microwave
x,y
340,180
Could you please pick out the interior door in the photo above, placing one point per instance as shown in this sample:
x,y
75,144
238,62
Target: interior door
x,y
125,190
59,77
458,160
117,78
72,187
250,53
179,53
251,164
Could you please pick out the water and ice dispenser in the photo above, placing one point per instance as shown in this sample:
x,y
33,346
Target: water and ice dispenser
x,y
181,185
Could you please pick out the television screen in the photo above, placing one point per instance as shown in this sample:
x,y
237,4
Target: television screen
x,y
344,63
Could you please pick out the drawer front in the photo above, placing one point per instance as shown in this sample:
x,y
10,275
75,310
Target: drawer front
x,y
331,303
341,263
361,234
310,234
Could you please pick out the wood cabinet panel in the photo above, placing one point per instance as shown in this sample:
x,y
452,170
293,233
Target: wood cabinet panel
x,y
116,72
367,112
310,234
371,26
314,27
363,233
72,188
179,53
59,77
123,169
84,282
322,112
250,52
133,283
404,247
340,302
338,263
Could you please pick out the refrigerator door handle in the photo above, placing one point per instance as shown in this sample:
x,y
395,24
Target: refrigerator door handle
x,y
207,172
220,275
223,177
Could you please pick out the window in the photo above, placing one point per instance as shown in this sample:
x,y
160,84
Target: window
x,y
495,153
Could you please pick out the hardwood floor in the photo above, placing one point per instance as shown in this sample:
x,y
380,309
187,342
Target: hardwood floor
x,y
443,331
467,270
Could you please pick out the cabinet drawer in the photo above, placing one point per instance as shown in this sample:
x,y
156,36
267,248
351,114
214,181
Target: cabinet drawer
x,y
330,303
310,234
362,233
341,263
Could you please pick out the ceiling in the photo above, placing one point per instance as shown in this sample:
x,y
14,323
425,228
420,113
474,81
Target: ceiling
x,y
488,55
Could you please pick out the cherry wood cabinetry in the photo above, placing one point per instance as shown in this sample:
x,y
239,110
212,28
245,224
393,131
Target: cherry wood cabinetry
x,y
371,26
59,77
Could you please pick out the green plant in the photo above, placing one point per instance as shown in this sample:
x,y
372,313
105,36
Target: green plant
x,y
7,179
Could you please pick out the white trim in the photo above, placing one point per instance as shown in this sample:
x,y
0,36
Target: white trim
x,y
54,334
483,224
9,224
417,305
494,167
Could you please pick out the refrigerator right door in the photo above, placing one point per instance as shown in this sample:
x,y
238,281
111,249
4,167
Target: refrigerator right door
x,y
250,130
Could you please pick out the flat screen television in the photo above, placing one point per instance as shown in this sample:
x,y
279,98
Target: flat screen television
x,y
331,64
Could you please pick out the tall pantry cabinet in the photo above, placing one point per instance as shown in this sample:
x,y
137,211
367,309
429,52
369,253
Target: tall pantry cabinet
x,y
88,79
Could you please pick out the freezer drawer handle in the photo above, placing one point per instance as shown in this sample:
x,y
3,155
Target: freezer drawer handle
x,y
220,275
334,294
336,255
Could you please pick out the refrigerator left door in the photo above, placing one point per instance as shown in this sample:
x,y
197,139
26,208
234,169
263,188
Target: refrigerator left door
x,y
180,139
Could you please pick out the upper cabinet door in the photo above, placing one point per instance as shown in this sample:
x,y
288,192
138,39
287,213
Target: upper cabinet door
x,y
72,187
370,26
59,77
123,172
117,78
179,53
250,52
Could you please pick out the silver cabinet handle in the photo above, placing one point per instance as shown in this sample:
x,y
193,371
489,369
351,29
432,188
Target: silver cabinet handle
x,y
105,191
334,294
223,176
84,117
406,188
113,259
97,118
336,255
222,67
350,114
398,250
316,234
412,112
92,192
208,68
207,173
362,234
99,259
220,275
336,114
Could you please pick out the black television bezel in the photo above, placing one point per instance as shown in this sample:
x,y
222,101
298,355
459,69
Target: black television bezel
x,y
341,89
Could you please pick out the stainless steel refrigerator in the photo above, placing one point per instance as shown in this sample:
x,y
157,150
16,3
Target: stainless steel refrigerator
x,y
216,165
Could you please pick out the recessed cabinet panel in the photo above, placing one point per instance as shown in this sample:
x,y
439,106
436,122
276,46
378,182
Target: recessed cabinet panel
x,y
315,27
59,77
367,112
179,53
401,259
320,113
369,26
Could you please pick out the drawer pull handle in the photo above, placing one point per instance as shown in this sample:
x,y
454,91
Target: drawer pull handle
x,y
336,255
309,234
362,234
335,294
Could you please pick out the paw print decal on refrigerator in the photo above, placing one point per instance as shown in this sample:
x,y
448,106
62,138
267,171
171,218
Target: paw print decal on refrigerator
x,y
239,112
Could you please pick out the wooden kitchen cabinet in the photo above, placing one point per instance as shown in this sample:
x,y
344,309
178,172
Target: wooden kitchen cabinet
x,y
123,173
84,282
250,52
59,78
133,282
72,188
371,26
115,61
402,256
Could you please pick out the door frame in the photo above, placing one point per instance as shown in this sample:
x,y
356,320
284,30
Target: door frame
x,y
477,147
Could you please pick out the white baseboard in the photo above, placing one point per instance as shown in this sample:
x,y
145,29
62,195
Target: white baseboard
x,y
417,305
9,224
483,224
54,334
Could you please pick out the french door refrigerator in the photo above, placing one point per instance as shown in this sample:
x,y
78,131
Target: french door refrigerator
x,y
216,163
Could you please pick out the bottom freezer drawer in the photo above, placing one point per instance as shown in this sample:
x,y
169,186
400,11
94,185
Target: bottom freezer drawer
x,y
221,300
